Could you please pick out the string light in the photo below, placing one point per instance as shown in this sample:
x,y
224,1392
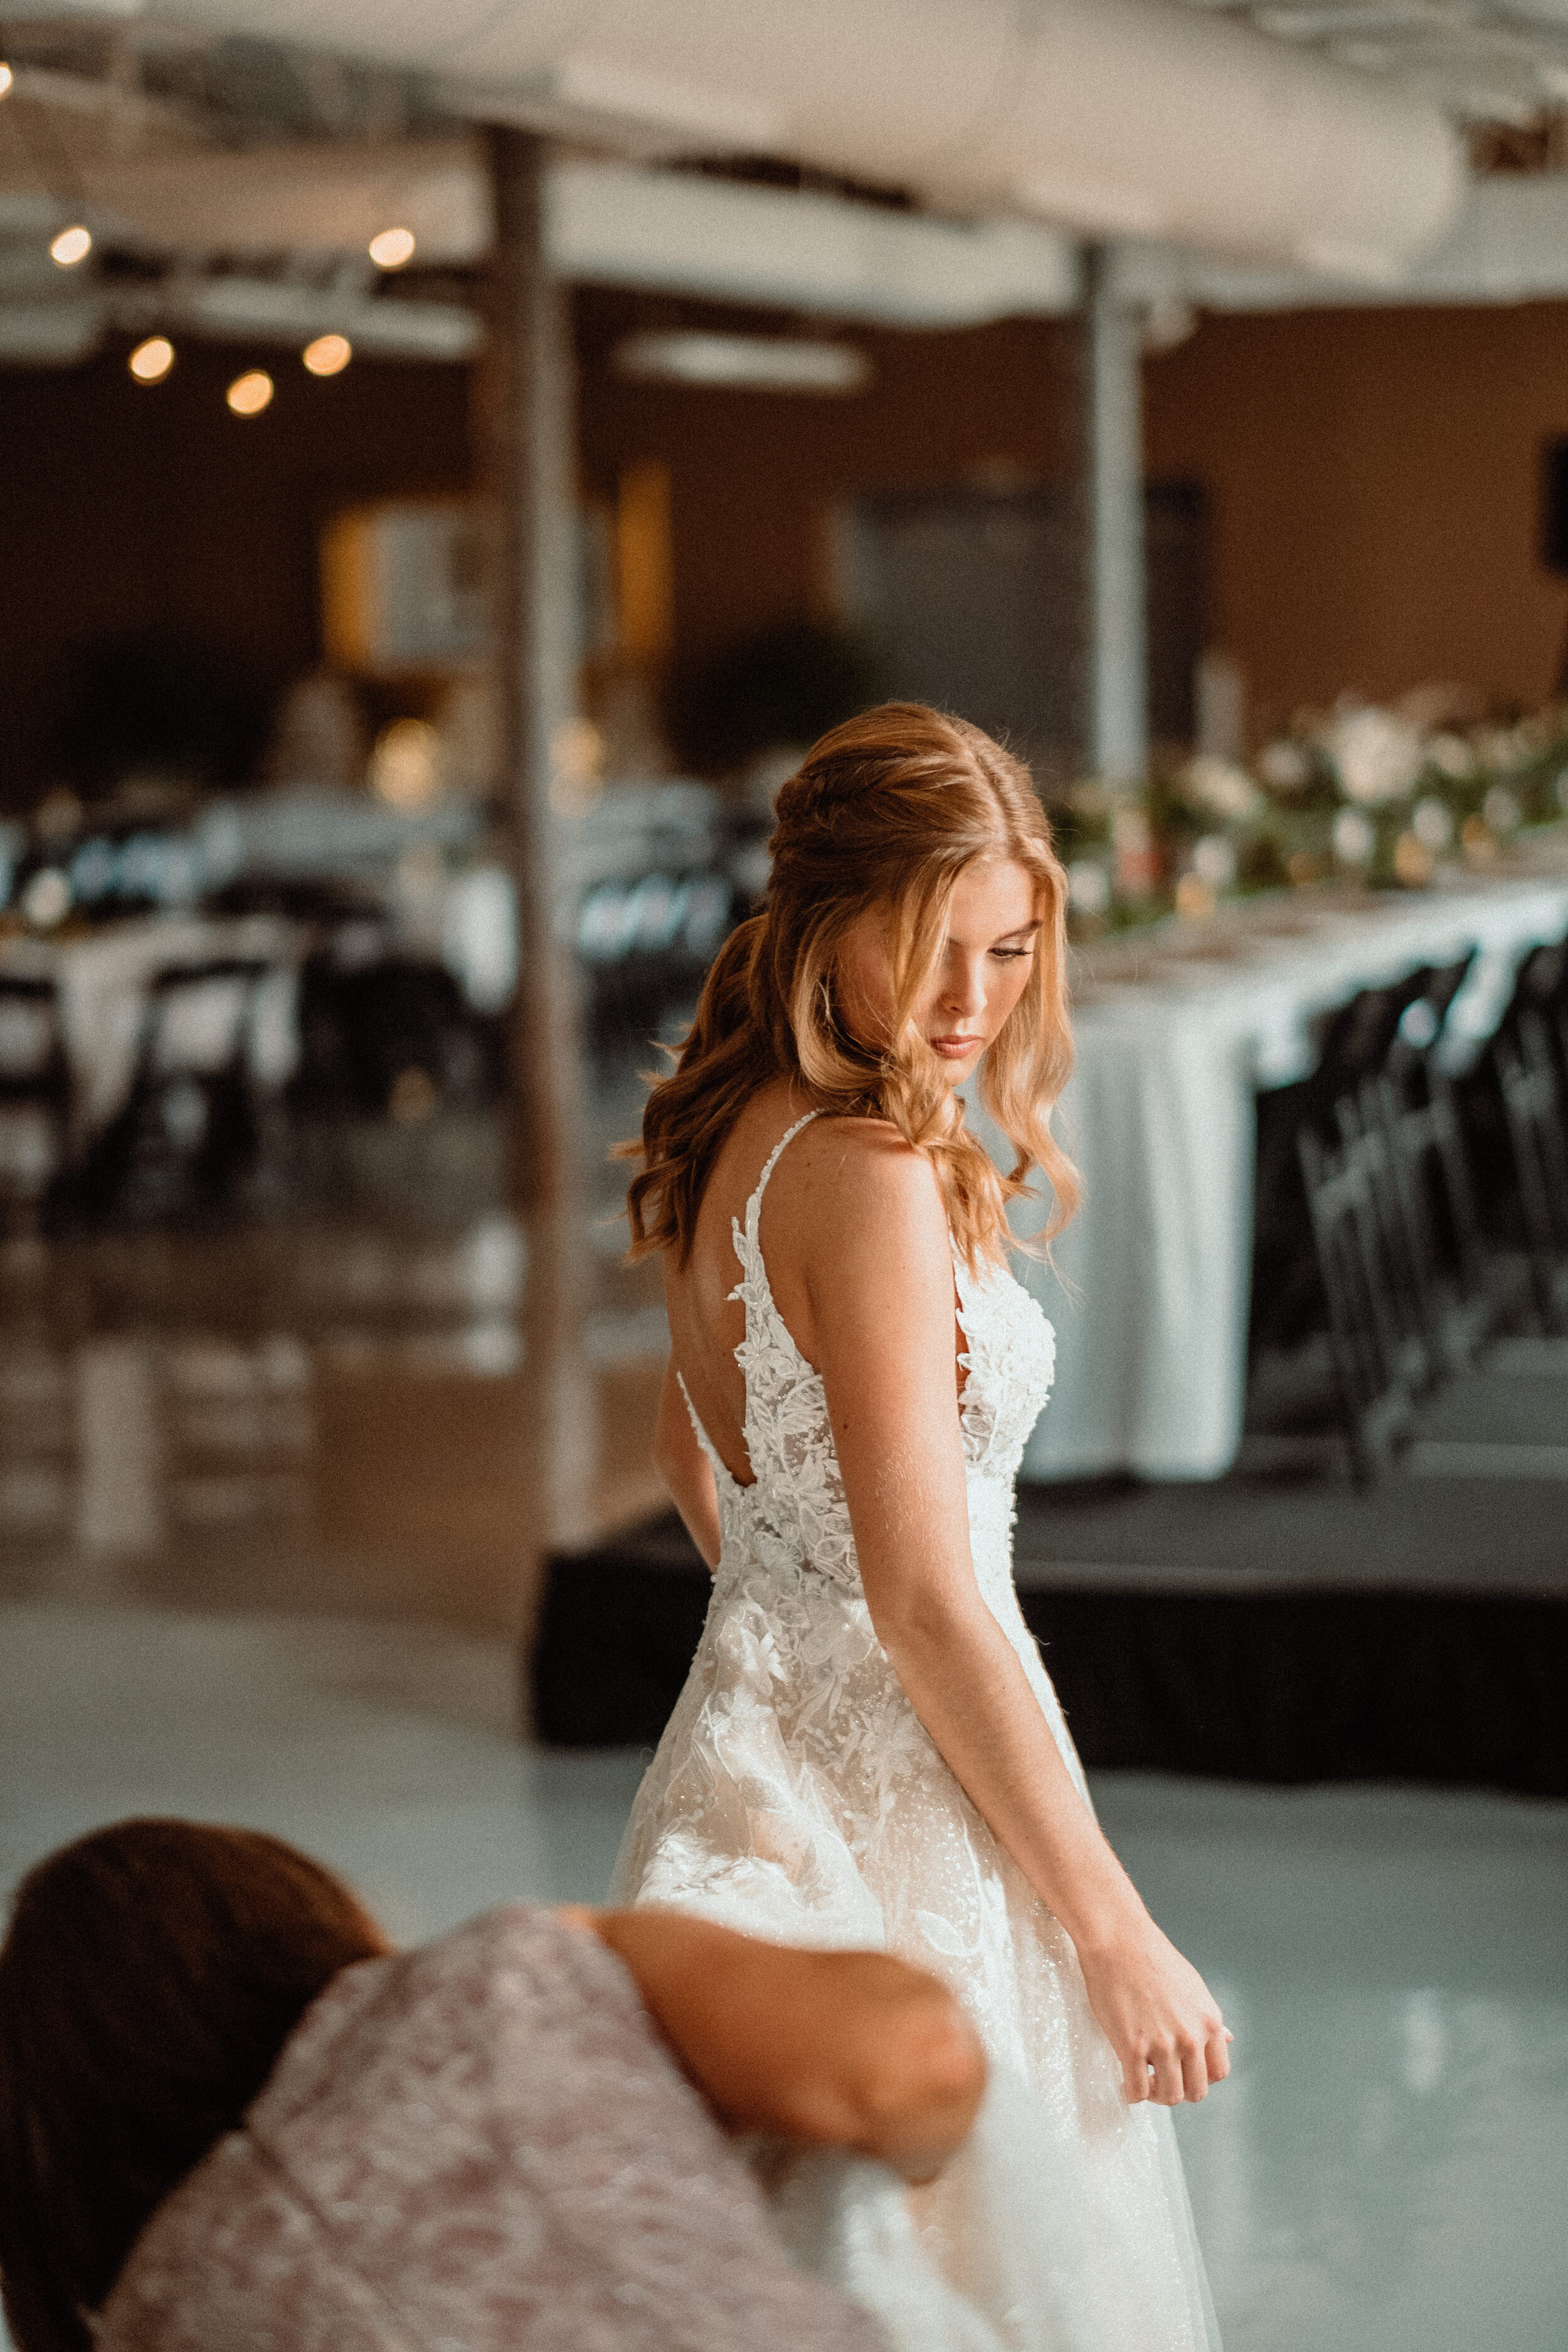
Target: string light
x,y
7,78
150,363
328,356
392,249
249,393
71,246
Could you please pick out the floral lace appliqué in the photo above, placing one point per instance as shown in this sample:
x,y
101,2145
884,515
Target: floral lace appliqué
x,y
795,1514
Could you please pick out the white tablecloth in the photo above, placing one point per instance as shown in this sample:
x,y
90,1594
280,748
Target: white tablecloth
x,y
103,977
1150,1293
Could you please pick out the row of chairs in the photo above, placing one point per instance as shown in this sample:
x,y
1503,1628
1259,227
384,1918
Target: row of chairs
x,y
187,1127
1429,1214
388,1037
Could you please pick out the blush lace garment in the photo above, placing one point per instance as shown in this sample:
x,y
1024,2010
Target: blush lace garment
x,y
797,1795
482,2146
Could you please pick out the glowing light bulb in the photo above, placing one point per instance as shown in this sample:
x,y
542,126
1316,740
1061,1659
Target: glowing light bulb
x,y
406,765
249,393
392,249
71,246
150,363
7,77
328,356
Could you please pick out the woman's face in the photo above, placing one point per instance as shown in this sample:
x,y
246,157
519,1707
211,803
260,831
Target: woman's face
x,y
992,926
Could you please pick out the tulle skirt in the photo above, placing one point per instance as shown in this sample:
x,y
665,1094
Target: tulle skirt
x,y
795,1795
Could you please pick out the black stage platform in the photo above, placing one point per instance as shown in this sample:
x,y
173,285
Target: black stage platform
x,y
1251,1629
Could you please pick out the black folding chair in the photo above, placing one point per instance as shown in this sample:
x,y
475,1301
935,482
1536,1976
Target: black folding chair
x,y
1354,1045
1379,1369
1388,1256
188,1130
1465,1289
34,1098
1530,1075
390,1031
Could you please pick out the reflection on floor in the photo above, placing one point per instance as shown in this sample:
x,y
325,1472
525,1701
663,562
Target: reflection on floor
x,y
267,1505
1387,2169
338,1417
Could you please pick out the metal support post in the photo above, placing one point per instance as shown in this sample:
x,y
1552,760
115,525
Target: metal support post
x,y
526,432
1108,478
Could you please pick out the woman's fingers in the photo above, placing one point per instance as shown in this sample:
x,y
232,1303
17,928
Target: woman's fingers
x,y
1165,2087
1195,2075
1161,2020
1182,2069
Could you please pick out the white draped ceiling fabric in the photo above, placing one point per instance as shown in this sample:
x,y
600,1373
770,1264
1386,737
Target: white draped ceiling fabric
x,y
1106,117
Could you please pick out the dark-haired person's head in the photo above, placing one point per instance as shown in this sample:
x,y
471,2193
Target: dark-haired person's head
x,y
149,1979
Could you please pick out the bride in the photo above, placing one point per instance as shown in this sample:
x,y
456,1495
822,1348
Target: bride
x,y
868,1750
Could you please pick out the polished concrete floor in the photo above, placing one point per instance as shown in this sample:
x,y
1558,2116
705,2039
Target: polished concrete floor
x,y
310,1416
1387,2169
269,1526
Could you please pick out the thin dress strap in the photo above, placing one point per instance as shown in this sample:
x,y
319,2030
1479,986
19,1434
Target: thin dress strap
x,y
749,1253
755,1205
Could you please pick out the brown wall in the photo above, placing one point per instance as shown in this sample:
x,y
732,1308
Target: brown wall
x,y
1375,486
755,475
1374,477
125,506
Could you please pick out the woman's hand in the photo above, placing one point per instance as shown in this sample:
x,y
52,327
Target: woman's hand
x,y
1158,2015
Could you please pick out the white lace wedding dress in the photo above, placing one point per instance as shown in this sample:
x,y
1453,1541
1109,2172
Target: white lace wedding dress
x,y
797,1795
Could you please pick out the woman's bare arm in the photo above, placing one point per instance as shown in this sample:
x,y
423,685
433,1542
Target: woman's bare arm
x,y
870,1237
844,2049
686,1469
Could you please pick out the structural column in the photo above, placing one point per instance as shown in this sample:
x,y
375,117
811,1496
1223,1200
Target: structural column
x,y
527,434
526,430
1107,465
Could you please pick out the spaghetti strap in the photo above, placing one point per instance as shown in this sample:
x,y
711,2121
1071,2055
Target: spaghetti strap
x,y
771,1161
748,1248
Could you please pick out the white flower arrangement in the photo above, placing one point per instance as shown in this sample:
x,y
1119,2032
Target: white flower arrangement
x,y
1286,766
1452,757
1374,795
1376,755
1218,788
1432,821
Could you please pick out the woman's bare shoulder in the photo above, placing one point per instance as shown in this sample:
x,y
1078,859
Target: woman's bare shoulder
x,y
852,1172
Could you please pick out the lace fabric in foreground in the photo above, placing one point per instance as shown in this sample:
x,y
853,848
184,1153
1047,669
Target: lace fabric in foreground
x,y
480,2146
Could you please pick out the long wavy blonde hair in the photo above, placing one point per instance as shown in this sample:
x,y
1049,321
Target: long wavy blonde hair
x,y
885,812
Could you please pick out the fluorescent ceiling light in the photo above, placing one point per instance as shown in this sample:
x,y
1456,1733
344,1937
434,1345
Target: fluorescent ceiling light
x,y
755,362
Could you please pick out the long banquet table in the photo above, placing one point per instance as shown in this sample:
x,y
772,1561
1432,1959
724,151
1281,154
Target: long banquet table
x,y
1175,1032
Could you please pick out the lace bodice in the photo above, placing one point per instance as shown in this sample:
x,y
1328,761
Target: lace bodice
x,y
796,1509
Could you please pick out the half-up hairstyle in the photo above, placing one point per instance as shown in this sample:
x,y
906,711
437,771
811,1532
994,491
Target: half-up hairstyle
x,y
885,812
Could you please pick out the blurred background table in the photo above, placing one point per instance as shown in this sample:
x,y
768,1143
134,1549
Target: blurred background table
x,y
102,980
1176,1030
